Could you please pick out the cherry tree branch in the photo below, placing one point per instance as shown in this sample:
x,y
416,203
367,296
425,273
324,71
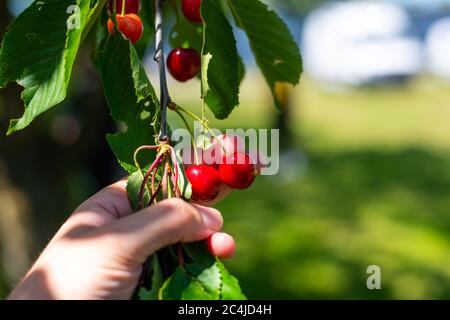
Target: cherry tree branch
x,y
160,59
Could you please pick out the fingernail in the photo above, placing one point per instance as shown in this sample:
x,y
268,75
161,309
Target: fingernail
x,y
212,218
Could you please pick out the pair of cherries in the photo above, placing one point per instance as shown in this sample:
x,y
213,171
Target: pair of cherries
x,y
129,24
236,170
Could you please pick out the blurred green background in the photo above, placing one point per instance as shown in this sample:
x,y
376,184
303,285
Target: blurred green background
x,y
364,180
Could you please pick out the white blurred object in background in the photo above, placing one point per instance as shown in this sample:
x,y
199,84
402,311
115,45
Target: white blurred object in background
x,y
438,48
360,42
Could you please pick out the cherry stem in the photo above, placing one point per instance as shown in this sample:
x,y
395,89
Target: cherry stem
x,y
204,125
202,83
123,7
154,165
177,24
165,99
180,254
153,180
192,115
169,180
136,162
196,158
155,193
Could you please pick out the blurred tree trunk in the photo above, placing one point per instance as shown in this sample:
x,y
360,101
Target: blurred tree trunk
x,y
283,120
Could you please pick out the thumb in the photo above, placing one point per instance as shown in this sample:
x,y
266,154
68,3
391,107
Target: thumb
x,y
168,222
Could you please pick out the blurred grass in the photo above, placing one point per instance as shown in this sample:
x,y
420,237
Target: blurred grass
x,y
416,115
314,237
366,182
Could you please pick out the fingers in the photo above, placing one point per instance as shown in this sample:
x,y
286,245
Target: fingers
x,y
221,245
153,228
166,223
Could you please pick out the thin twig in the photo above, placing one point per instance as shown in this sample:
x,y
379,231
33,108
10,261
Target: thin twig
x,y
180,255
147,175
176,187
155,194
153,180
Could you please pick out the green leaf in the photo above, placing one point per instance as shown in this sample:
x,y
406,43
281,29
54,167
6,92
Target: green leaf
x,y
181,286
273,45
38,52
230,289
93,16
134,188
156,281
206,278
198,252
220,62
130,97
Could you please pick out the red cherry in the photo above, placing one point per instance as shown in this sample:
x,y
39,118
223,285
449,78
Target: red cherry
x,y
131,6
130,25
238,171
191,10
205,182
221,146
210,157
183,64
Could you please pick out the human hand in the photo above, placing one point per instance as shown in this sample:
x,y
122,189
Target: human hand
x,y
99,251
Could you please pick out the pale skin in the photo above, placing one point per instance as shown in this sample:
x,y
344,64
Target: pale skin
x,y
99,251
